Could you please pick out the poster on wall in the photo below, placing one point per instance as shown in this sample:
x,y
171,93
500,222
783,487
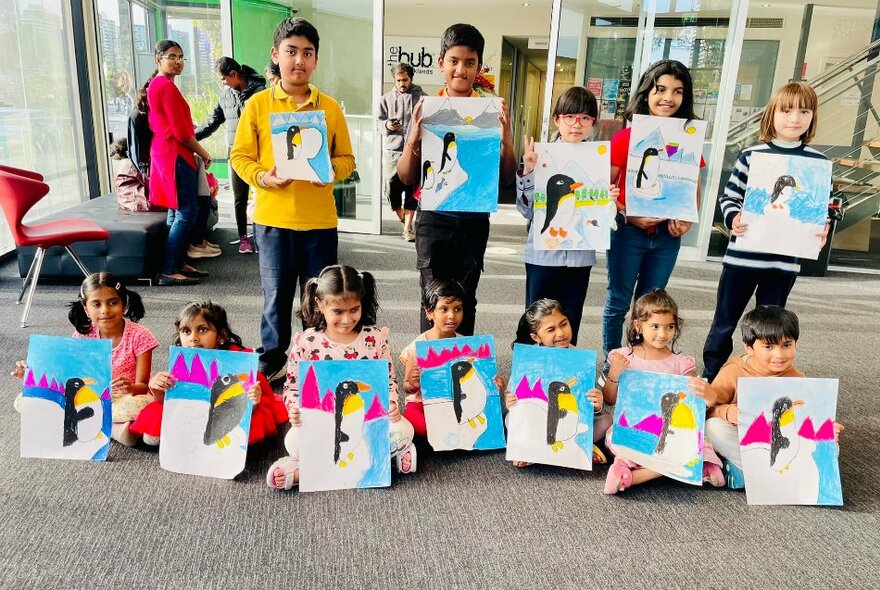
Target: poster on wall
x,y
610,88
594,85
422,53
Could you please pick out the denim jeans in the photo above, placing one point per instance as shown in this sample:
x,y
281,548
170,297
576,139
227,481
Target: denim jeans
x,y
198,231
286,257
638,262
181,220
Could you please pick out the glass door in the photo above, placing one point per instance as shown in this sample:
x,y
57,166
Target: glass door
x,y
612,42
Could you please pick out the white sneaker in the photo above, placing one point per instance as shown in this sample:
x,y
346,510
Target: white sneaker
x,y
202,252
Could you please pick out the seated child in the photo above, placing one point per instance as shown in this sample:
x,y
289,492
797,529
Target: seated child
x,y
545,323
770,335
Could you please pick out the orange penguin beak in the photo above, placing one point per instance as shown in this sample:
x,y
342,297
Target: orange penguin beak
x,y
682,395
576,186
799,402
363,386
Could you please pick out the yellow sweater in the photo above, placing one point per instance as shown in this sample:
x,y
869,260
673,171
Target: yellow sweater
x,y
300,205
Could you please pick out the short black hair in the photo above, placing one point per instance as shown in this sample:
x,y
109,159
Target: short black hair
x,y
296,26
403,67
462,34
226,65
574,101
770,323
439,289
119,149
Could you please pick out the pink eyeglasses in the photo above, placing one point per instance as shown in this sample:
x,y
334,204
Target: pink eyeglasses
x,y
579,119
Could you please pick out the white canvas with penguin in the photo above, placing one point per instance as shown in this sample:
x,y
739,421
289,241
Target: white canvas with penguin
x,y
572,207
461,400
552,420
344,441
663,165
461,152
207,415
786,432
299,144
66,406
660,425
786,204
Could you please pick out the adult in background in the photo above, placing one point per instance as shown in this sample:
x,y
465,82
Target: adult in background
x,y
240,82
173,168
395,116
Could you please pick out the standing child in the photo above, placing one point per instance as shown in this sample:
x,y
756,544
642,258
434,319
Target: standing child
x,y
450,245
106,309
644,249
443,302
562,275
203,324
294,220
339,312
545,323
769,335
654,328
788,125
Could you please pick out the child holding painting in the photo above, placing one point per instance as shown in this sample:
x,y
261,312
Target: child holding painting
x,y
654,328
562,275
545,323
644,249
769,335
339,312
450,246
788,125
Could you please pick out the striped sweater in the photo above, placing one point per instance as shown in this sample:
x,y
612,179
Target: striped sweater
x,y
732,202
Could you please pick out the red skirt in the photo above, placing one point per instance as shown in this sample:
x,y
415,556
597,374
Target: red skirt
x,y
266,417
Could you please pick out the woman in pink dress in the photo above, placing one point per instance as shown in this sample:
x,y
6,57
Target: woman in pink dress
x,y
173,168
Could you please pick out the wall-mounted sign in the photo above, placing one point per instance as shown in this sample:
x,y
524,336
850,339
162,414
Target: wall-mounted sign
x,y
422,53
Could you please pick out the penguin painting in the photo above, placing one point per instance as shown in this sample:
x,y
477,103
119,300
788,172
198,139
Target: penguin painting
x,y
646,180
781,193
560,204
679,438
349,420
562,413
450,153
83,412
427,175
227,406
783,433
469,394
294,142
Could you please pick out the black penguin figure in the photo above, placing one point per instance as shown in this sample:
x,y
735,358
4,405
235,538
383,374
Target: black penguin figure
x,y
228,404
292,134
667,404
344,390
650,152
778,441
554,414
459,370
558,186
447,139
782,183
72,417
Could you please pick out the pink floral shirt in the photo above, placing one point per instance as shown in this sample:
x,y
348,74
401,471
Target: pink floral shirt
x,y
674,364
372,343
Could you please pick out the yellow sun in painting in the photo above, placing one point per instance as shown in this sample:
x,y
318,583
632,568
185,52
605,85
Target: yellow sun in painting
x,y
690,130
468,120
602,149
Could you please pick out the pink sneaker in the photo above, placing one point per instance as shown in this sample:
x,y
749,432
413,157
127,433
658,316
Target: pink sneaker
x,y
619,477
245,246
713,474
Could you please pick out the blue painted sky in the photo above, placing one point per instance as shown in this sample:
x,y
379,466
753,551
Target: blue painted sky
x,y
372,372
479,154
61,358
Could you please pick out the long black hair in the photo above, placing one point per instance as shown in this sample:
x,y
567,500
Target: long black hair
x,y
134,306
339,282
638,102
530,322
214,315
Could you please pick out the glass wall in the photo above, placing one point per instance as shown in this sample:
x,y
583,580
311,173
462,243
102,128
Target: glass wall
x,y
40,123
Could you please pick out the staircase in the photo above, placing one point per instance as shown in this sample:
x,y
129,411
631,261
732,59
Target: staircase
x,y
847,94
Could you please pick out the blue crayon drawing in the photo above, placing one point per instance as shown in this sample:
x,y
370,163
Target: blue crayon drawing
x,y
660,425
786,431
66,406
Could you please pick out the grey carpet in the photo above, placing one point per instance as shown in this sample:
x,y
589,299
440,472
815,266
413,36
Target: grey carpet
x,y
465,520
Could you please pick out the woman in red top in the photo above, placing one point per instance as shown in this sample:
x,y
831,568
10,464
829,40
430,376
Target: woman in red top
x,y
644,249
173,168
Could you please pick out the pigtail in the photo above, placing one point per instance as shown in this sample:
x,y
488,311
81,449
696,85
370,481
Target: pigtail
x,y
134,305
78,316
308,312
523,331
369,301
